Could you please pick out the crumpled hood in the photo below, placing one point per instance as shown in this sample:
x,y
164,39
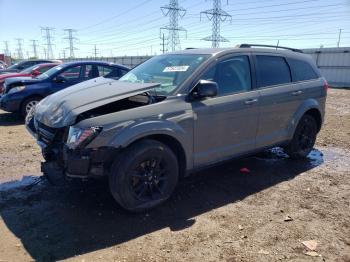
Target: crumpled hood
x,y
61,109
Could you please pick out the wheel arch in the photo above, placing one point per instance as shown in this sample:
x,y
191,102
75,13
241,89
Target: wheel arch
x,y
311,107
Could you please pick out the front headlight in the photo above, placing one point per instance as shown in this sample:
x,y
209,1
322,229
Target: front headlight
x,y
16,89
79,137
57,115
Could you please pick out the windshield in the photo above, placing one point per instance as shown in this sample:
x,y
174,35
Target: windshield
x,y
49,72
14,66
170,71
29,69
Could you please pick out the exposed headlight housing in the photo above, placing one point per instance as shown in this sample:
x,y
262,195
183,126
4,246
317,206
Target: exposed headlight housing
x,y
16,89
57,115
79,137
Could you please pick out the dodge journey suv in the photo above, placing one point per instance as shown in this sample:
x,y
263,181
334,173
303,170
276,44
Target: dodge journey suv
x,y
176,113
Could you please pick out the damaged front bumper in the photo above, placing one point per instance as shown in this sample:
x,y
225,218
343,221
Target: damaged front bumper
x,y
63,162
83,164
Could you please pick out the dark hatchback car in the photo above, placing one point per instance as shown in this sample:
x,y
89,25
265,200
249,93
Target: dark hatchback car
x,y
22,94
26,64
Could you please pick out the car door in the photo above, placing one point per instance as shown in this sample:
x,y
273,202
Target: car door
x,y
279,99
67,77
226,125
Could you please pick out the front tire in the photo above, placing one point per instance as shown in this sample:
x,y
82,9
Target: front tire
x,y
28,105
303,139
144,175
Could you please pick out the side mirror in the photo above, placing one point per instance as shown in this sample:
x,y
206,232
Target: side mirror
x,y
205,89
20,67
36,73
59,79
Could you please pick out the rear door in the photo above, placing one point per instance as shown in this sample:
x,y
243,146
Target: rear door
x,y
226,125
279,98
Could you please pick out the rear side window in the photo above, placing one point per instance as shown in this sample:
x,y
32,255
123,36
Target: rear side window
x,y
272,70
301,70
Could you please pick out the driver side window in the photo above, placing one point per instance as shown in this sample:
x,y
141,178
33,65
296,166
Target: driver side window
x,y
71,74
232,75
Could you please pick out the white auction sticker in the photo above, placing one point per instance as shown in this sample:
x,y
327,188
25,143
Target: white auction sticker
x,y
176,68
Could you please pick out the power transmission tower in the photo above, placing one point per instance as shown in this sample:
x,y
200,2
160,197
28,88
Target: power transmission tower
x,y
19,48
6,50
34,45
339,35
95,52
71,39
49,39
174,11
45,53
216,15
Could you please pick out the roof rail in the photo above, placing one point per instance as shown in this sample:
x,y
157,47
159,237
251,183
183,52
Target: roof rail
x,y
272,46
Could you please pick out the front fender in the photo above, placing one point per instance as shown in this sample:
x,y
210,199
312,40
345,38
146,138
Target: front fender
x,y
123,135
143,129
303,108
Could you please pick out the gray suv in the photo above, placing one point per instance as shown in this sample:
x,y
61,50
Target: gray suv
x,y
179,112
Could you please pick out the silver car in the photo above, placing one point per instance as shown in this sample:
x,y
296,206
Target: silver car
x,y
179,112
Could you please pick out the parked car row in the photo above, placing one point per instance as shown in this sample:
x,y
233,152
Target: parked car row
x,y
170,116
20,92
17,67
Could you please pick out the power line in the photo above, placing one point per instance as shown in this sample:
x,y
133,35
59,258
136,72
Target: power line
x,y
216,15
19,48
49,41
174,12
132,9
71,39
34,45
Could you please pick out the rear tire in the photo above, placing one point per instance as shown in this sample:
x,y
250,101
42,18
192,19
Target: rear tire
x,y
144,175
29,104
303,139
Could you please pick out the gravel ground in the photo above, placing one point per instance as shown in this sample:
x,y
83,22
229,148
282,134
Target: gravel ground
x,y
219,214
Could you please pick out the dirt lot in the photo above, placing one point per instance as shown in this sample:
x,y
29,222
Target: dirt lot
x,y
220,214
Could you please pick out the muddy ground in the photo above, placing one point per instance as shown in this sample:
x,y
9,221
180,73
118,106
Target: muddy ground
x,y
220,214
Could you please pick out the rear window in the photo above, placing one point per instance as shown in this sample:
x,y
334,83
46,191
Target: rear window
x,y
301,70
272,70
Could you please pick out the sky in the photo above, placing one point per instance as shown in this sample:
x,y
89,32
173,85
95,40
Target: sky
x,y
120,28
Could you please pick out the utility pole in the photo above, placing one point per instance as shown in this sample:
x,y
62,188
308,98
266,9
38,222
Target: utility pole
x,y
71,39
6,50
34,45
49,39
163,44
174,12
339,35
95,51
216,15
19,48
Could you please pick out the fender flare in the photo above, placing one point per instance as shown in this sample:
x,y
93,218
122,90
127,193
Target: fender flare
x,y
303,108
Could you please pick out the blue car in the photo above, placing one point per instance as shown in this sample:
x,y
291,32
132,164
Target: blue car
x,y
22,94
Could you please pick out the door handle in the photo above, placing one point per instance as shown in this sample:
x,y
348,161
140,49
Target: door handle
x,y
251,101
297,93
